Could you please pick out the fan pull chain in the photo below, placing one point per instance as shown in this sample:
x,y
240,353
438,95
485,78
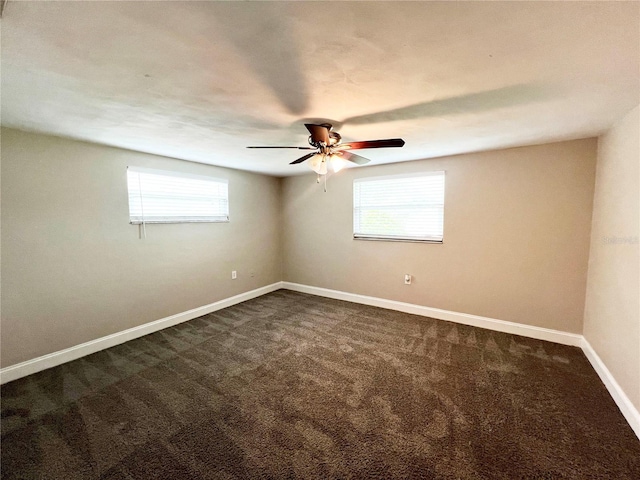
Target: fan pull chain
x,y
325,181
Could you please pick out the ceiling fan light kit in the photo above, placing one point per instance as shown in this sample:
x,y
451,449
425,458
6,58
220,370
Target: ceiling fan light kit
x,y
330,150
337,163
319,163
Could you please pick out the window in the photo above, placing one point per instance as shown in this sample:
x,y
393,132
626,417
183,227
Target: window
x,y
403,207
157,196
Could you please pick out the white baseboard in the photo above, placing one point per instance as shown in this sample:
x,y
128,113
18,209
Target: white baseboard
x,y
539,333
631,414
628,409
54,359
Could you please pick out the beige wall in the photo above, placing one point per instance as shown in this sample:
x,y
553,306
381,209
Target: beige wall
x,y
73,269
516,236
612,311
517,225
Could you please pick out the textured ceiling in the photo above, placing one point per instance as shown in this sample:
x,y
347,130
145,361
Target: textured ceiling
x,y
201,80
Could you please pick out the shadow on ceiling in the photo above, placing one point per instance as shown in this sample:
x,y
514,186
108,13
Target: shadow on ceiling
x,y
263,36
487,100
462,104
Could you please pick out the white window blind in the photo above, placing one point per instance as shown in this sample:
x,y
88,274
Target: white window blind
x,y
407,207
158,196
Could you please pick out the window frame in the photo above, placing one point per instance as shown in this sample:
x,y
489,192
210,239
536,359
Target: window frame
x,y
133,219
388,238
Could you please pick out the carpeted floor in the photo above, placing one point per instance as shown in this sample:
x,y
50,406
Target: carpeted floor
x,y
290,385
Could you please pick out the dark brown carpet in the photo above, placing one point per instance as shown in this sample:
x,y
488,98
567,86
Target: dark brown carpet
x,y
296,386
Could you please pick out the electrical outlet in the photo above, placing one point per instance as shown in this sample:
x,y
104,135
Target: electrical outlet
x,y
234,275
252,274
407,279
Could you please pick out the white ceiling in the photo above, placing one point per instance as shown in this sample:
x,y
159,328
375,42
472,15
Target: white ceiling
x,y
201,81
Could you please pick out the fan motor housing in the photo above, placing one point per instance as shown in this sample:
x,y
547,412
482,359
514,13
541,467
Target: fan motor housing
x,y
334,139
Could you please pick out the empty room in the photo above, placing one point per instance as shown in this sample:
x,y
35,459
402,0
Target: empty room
x,y
320,240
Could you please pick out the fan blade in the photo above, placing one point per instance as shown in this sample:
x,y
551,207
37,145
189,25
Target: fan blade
x,y
299,148
352,157
391,142
302,159
319,133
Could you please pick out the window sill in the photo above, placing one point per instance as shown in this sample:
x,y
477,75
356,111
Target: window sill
x,y
407,240
148,222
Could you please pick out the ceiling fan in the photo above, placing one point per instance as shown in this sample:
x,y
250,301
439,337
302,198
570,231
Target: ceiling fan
x,y
328,148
